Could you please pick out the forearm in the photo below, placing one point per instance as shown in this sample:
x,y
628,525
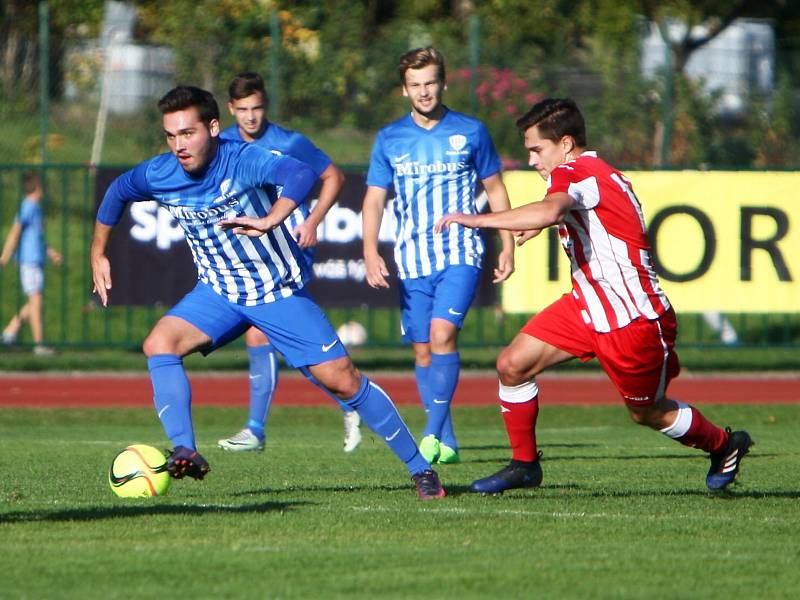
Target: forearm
x,y
332,182
372,215
100,237
281,209
11,242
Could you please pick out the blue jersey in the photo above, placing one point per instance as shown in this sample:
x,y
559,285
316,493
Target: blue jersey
x,y
282,141
31,249
434,172
247,271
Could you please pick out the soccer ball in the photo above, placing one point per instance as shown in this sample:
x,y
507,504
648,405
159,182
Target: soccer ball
x,y
352,333
139,471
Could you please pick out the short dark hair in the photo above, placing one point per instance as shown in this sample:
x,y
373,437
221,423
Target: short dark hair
x,y
31,181
555,118
419,58
188,96
246,84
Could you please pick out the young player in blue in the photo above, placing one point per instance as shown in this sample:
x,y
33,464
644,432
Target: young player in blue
x,y
25,242
250,273
433,158
248,104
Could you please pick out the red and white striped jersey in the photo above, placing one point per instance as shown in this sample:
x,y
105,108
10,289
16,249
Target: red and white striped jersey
x,y
605,237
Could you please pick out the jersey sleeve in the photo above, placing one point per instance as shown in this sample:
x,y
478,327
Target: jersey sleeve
x,y
380,173
487,162
303,149
131,186
261,168
25,214
583,190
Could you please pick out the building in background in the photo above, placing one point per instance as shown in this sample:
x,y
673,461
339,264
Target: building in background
x,y
736,64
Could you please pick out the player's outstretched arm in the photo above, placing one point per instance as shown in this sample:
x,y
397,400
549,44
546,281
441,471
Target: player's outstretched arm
x,y
551,210
254,226
101,267
332,181
372,215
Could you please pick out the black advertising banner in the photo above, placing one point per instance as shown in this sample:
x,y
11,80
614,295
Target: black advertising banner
x,y
151,262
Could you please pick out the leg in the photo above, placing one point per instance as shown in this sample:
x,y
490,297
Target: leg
x,y
263,378
442,379
554,335
643,382
343,380
311,345
35,317
170,340
517,367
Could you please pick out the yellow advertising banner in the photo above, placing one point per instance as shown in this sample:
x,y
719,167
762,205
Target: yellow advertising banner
x,y
722,241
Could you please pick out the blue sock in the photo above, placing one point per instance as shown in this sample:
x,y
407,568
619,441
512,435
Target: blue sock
x,y
263,380
423,387
342,404
442,380
172,397
381,416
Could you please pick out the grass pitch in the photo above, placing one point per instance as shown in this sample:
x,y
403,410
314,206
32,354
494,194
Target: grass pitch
x,y
623,512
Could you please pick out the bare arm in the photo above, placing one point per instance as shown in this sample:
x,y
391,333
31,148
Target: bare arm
x,y
101,267
11,242
551,210
372,215
498,202
332,181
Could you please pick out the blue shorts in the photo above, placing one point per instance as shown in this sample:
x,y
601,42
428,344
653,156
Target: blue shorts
x,y
296,326
446,294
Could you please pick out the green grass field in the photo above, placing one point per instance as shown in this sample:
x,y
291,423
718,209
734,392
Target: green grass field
x,y
623,512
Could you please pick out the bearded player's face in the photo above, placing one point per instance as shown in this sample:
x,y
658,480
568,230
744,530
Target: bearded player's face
x,y
191,140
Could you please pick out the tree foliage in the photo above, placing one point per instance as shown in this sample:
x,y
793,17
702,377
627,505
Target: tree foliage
x,y
337,64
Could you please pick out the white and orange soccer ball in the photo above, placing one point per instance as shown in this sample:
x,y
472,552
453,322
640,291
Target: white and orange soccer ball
x,y
139,471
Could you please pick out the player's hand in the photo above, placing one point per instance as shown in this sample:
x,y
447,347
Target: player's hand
x,y
505,266
101,275
460,218
376,271
306,235
524,236
248,226
54,256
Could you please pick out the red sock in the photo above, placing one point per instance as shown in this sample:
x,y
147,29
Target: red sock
x,y
703,434
520,419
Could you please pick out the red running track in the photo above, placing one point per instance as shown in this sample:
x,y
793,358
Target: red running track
x,y
475,389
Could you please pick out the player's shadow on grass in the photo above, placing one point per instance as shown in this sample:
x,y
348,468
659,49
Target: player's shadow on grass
x,y
326,489
140,510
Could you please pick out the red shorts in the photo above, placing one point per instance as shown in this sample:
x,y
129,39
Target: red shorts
x,y
639,358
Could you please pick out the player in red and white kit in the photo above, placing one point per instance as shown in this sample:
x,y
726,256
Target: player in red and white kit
x,y
616,311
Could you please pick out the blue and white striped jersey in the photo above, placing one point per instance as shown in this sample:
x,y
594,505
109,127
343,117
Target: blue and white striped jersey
x,y
281,141
247,271
434,172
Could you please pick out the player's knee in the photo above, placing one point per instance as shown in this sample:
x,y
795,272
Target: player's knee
x,y
340,377
509,370
159,343
648,416
254,337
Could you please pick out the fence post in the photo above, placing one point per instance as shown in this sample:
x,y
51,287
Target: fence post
x,y
474,60
44,77
274,66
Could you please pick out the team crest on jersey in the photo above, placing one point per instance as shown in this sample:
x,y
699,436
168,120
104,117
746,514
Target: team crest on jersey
x,y
458,141
224,187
